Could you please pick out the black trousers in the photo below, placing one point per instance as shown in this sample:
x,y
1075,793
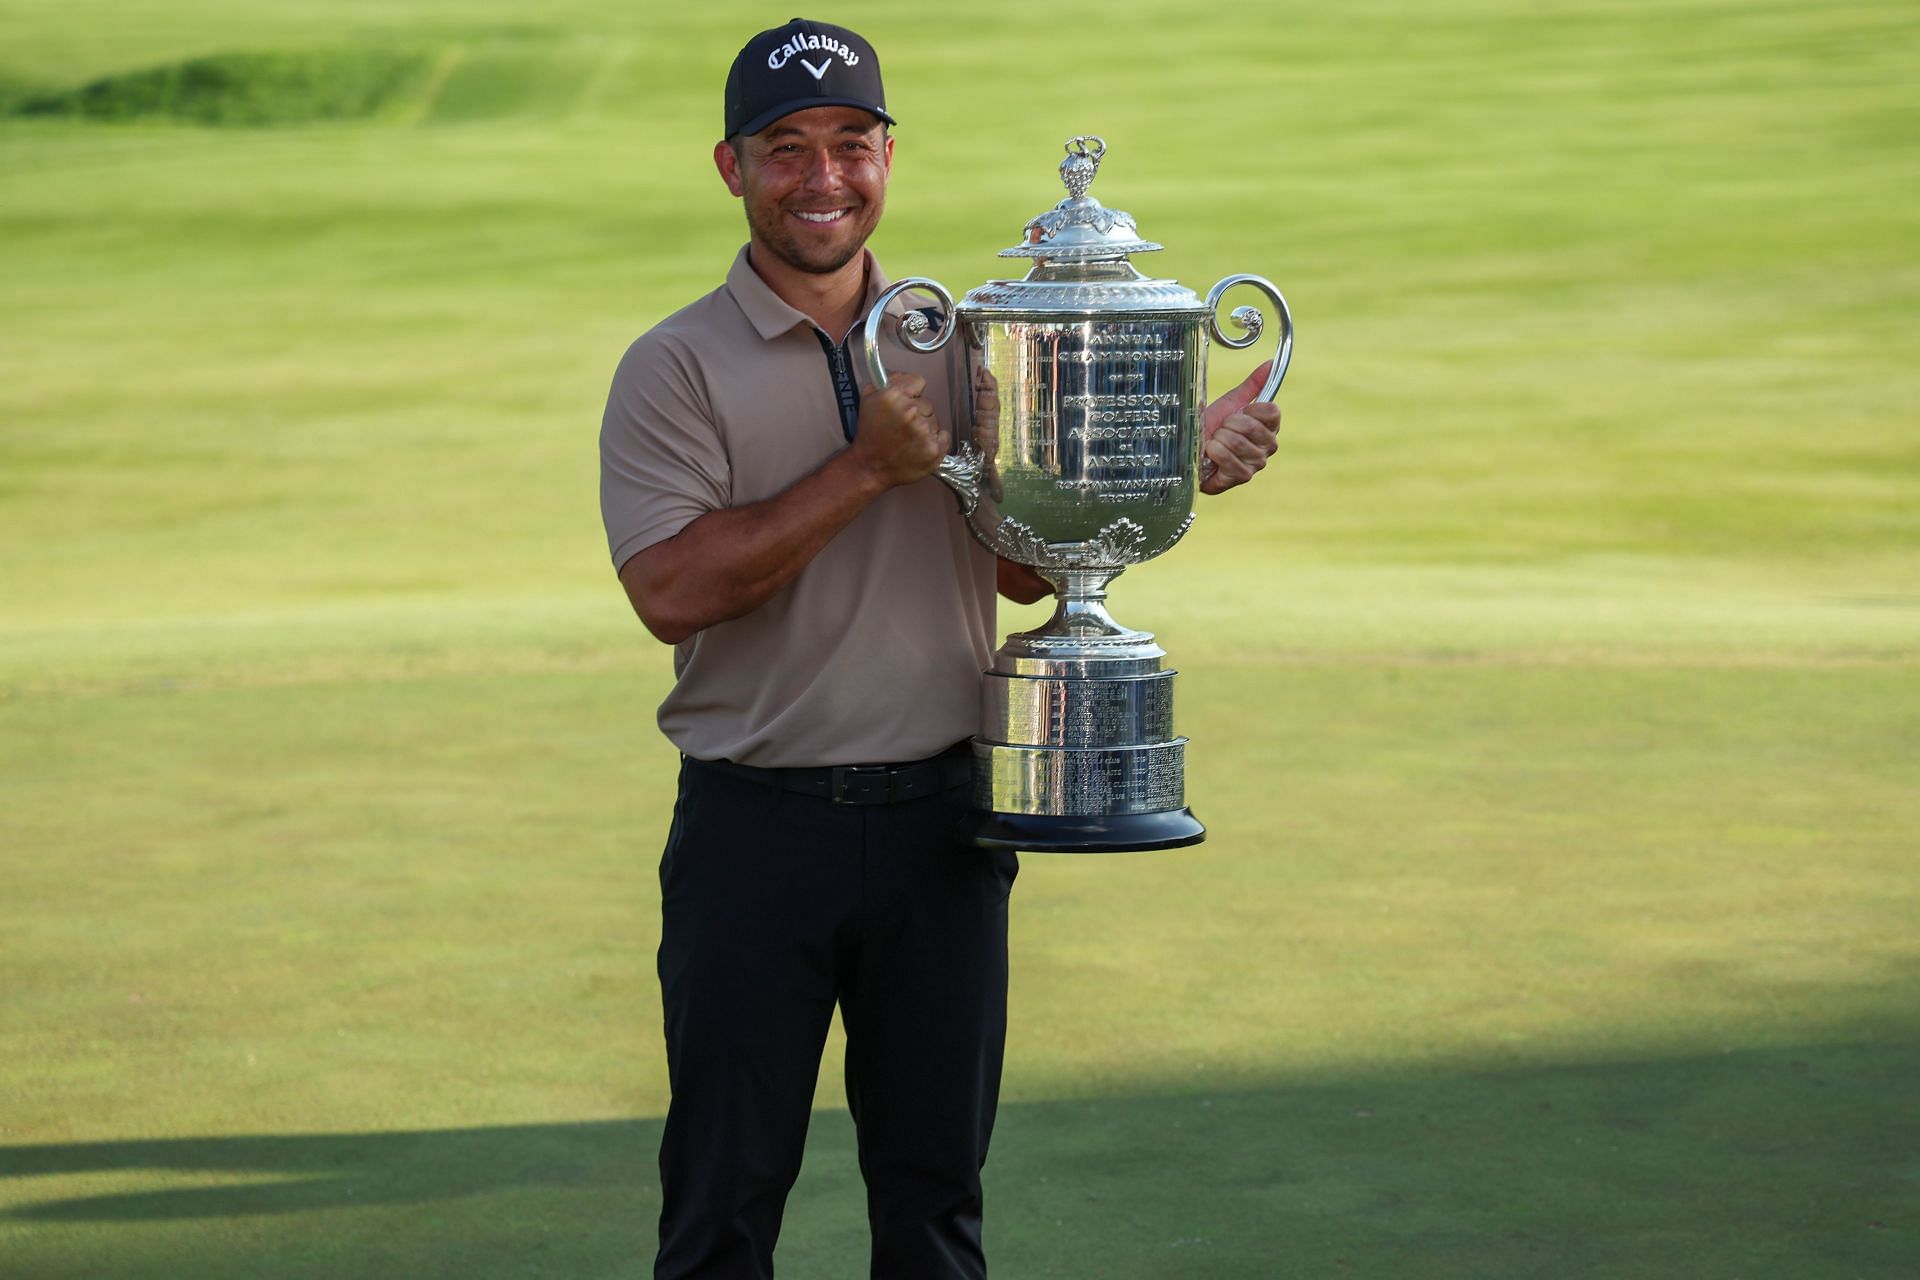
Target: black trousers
x,y
775,908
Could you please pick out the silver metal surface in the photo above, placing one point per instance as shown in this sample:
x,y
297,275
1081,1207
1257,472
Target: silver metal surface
x,y
1251,322
1091,460
1041,711
1149,778
1079,455
1079,228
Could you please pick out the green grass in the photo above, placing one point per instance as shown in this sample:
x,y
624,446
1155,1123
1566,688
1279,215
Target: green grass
x,y
1553,702
246,89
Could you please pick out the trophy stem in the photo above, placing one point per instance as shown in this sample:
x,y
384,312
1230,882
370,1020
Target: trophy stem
x,y
1083,584
1080,611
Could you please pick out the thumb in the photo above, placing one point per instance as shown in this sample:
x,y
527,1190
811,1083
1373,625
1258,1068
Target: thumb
x,y
1238,398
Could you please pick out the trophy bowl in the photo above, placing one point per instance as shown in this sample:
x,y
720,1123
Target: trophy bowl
x,y
1080,455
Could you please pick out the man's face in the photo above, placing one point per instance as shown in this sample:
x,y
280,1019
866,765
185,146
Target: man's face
x,y
813,183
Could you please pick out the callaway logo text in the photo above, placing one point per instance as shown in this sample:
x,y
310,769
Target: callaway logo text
x,y
807,43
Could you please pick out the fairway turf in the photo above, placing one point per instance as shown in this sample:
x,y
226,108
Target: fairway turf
x,y
1554,701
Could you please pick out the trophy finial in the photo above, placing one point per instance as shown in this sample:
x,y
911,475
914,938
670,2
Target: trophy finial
x,y
1082,162
1080,229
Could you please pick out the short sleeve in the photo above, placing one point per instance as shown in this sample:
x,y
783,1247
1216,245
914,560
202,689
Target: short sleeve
x,y
662,463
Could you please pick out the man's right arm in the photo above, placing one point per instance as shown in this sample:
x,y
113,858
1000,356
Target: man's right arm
x,y
729,562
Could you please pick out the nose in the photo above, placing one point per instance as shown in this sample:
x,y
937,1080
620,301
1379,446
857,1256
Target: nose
x,y
823,170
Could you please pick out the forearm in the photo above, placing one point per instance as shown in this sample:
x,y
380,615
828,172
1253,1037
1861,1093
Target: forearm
x,y
729,562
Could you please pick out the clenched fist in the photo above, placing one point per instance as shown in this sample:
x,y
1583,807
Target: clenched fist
x,y
899,438
1239,435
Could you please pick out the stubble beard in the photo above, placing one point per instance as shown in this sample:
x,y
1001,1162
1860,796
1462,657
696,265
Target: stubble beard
x,y
789,250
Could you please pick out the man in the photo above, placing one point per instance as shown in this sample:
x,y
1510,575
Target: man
x,y
831,617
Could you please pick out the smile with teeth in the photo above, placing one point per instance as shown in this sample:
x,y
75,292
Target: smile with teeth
x,y
828,215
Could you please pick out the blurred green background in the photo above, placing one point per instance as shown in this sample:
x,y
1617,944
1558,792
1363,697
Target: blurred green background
x,y
1555,699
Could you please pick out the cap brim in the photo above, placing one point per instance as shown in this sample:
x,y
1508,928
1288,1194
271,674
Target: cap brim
x,y
787,108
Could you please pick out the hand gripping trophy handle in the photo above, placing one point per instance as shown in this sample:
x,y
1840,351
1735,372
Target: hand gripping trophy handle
x,y
960,469
1251,323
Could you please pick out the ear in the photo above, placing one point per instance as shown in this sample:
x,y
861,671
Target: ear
x,y
729,166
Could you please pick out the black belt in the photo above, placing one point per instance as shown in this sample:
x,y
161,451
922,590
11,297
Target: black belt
x,y
862,783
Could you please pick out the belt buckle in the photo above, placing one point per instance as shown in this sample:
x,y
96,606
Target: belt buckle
x,y
856,773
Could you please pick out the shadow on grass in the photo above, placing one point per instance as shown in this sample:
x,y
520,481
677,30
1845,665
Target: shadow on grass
x,y
323,1171
1799,1162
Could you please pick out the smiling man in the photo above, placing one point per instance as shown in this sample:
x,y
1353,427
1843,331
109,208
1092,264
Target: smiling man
x,y
831,616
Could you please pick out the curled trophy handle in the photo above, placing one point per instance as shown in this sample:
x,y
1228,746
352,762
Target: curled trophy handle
x,y
912,326
1252,323
960,469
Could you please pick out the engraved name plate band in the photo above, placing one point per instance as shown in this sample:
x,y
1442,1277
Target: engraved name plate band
x,y
1079,455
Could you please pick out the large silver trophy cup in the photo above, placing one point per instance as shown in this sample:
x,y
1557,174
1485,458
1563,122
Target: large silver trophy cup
x,y
1080,455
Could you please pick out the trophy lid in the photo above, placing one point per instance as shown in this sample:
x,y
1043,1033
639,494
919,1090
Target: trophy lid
x,y
1080,229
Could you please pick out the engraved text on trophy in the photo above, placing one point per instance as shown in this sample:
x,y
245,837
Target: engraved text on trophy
x,y
1100,425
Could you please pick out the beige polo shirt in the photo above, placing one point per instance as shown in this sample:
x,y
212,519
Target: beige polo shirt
x,y
874,652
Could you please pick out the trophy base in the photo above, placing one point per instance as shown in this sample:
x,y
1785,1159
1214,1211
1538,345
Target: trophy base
x,y
1086,833
1077,752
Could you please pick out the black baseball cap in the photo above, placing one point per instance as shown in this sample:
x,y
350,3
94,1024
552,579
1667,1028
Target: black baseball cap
x,y
803,64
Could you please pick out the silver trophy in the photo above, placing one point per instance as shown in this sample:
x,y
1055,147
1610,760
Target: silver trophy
x,y
1086,383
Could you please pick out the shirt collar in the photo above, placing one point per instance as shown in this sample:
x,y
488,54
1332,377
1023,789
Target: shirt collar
x,y
765,310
